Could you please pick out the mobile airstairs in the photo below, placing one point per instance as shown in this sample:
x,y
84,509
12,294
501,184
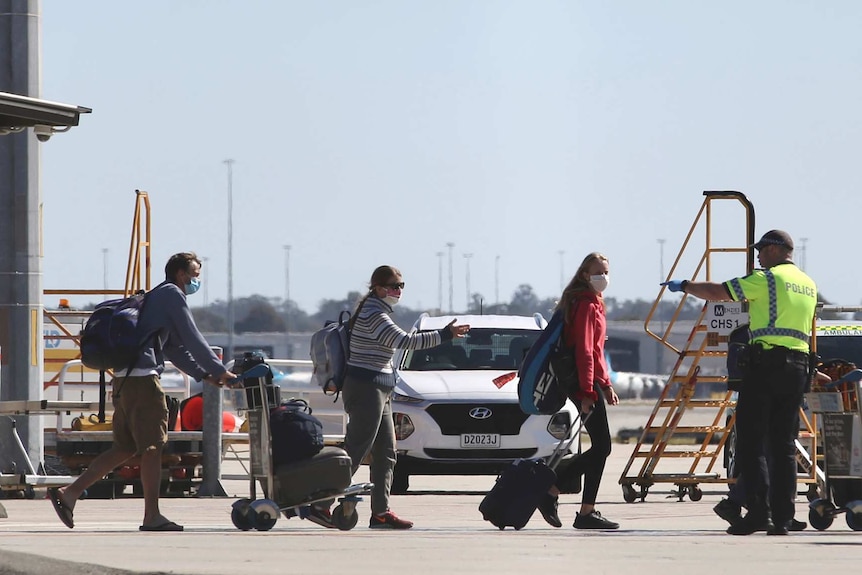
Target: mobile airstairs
x,y
696,399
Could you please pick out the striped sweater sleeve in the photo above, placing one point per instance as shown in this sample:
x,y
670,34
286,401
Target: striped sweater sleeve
x,y
375,337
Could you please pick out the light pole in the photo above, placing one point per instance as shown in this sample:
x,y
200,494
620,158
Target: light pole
x,y
467,263
497,281
204,260
286,248
230,310
803,253
660,259
450,245
562,271
658,350
105,269
440,282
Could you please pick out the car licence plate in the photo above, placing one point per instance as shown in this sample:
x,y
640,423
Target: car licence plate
x,y
480,440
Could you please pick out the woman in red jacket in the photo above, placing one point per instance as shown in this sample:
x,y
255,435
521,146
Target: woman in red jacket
x,y
585,333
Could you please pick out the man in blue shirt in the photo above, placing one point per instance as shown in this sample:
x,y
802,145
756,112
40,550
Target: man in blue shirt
x,y
140,419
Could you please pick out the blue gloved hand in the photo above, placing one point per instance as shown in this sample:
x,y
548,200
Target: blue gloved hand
x,y
676,285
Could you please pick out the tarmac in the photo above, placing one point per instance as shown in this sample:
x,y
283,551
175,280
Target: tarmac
x,y
659,534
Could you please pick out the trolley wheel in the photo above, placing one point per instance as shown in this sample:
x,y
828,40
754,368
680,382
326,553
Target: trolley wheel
x,y
813,493
695,493
265,514
820,514
854,520
240,515
29,492
342,521
629,493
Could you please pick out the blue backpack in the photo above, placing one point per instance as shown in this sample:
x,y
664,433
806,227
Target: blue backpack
x,y
110,338
547,371
329,353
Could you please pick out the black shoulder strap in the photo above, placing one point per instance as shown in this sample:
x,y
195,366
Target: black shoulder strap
x,y
103,391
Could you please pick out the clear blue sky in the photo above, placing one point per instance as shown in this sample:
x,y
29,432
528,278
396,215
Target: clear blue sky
x,y
376,132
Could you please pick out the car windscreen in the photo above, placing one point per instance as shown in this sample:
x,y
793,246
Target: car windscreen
x,y
483,348
846,347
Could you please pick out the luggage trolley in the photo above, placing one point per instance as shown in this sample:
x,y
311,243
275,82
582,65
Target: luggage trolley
x,y
836,405
292,488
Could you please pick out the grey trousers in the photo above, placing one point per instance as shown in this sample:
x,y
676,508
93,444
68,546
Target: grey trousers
x,y
370,429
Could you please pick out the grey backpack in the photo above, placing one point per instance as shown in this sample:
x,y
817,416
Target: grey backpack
x,y
329,353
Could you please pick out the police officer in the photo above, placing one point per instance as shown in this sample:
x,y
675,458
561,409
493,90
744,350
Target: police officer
x,y
782,301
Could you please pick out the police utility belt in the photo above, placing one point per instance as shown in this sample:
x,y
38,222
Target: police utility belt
x,y
743,358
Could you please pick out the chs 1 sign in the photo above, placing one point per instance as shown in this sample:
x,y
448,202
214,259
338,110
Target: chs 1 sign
x,y
722,318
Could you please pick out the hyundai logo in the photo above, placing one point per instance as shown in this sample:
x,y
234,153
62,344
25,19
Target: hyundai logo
x,y
480,413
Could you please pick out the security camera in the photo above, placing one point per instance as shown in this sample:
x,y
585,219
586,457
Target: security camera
x,y
43,133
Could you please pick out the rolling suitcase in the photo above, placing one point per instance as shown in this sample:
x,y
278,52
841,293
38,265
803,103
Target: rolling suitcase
x,y
520,487
328,472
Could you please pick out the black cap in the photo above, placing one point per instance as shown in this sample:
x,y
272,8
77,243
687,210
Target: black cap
x,y
774,238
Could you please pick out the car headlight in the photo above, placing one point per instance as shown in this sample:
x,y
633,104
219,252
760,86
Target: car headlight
x,y
404,427
560,424
399,398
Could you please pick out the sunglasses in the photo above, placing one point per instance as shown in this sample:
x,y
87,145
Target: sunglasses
x,y
399,285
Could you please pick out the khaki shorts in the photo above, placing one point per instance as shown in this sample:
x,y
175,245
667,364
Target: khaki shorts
x,y
140,413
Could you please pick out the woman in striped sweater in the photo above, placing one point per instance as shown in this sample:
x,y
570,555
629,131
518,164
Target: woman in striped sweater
x,y
367,392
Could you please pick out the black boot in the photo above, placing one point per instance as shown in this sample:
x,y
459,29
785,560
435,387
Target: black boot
x,y
751,523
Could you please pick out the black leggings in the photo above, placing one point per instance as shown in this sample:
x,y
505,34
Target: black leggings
x,y
591,463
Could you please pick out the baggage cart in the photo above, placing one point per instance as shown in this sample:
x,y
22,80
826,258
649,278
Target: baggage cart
x,y
838,414
291,489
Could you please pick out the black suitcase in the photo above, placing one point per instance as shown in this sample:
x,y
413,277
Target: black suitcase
x,y
326,473
520,487
517,493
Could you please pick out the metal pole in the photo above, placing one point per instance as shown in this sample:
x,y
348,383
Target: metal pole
x,y
440,282
21,291
803,253
286,274
467,260
212,439
105,270
450,245
286,248
562,271
230,310
204,260
659,350
661,277
497,280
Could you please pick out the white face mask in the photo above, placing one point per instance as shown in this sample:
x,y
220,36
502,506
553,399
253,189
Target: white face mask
x,y
391,299
600,282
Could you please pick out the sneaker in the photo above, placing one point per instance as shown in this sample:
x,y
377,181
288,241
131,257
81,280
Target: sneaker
x,y
388,520
795,525
322,517
749,524
593,520
728,510
548,508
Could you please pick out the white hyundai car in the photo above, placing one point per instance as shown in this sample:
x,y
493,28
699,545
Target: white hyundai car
x,y
451,418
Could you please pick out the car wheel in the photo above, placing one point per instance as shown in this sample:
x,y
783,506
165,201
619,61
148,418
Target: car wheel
x,y
400,481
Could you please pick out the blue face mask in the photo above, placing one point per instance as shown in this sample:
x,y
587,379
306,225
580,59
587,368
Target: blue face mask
x,y
193,286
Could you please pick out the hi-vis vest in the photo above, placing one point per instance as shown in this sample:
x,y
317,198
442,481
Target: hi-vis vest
x,y
782,302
